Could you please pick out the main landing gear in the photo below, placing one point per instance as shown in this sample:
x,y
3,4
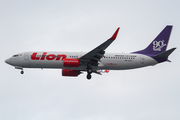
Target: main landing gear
x,y
89,76
89,71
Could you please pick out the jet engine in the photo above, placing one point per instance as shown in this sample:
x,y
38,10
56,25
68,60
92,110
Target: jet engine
x,y
69,62
67,72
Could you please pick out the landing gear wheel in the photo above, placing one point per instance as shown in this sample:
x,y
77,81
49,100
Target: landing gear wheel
x,y
22,72
88,76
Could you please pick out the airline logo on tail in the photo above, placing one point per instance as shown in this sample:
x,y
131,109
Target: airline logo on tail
x,y
158,45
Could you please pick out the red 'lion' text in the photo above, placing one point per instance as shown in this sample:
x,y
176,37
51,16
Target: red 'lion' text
x,y
34,56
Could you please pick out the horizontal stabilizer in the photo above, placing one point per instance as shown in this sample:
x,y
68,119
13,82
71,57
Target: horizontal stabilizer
x,y
164,56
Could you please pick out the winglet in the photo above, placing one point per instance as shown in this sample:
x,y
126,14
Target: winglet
x,y
115,34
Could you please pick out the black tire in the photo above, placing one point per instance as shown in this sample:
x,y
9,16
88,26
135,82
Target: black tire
x,y
88,76
22,72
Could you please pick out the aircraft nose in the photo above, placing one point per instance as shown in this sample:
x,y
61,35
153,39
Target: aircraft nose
x,y
8,61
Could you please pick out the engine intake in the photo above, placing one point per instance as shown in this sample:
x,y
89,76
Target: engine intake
x,y
69,62
73,73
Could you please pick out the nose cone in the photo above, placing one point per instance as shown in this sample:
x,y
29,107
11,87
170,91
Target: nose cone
x,y
8,61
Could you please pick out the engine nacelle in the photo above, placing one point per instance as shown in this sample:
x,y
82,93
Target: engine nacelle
x,y
66,72
69,62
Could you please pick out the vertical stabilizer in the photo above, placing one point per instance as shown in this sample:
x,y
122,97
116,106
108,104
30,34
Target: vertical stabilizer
x,y
159,44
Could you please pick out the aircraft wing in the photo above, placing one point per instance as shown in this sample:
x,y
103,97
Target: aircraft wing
x,y
97,53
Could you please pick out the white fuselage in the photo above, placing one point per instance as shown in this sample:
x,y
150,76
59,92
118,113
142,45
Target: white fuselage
x,y
110,61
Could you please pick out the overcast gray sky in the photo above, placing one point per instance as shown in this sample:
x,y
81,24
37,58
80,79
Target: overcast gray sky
x,y
150,93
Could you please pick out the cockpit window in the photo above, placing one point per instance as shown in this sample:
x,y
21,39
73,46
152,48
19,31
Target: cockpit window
x,y
15,55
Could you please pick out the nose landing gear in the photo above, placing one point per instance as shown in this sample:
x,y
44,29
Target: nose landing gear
x,y
22,72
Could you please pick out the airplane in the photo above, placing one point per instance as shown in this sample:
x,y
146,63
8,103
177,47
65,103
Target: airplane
x,y
96,60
